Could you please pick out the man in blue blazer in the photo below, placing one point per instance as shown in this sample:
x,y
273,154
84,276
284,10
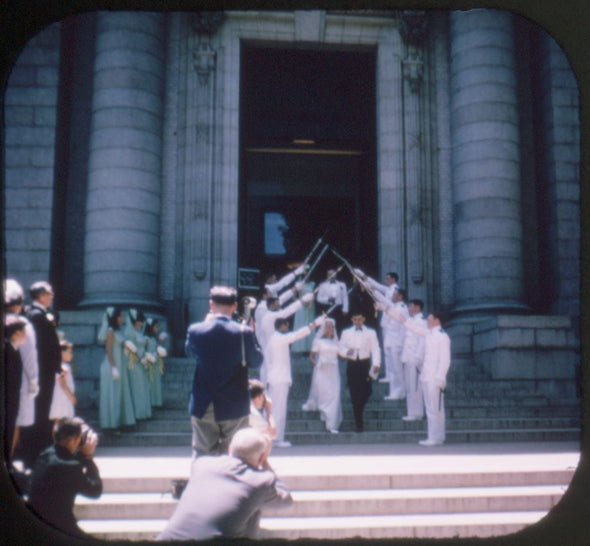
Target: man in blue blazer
x,y
223,350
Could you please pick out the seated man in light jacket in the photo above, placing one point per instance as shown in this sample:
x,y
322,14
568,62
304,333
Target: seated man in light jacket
x,y
225,494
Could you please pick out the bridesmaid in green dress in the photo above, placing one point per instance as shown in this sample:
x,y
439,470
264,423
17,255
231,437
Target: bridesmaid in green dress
x,y
135,343
155,354
303,317
115,405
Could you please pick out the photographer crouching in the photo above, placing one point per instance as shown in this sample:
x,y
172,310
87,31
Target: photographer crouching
x,y
62,471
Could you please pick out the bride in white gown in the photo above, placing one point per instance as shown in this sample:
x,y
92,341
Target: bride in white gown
x,y
324,393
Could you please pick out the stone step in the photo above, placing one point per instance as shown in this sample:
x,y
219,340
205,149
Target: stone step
x,y
159,485
369,436
392,410
351,491
364,502
341,527
310,422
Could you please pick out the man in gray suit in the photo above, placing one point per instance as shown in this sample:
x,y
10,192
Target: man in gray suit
x,y
225,494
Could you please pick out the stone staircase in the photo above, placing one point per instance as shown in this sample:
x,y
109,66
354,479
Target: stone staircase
x,y
477,409
340,497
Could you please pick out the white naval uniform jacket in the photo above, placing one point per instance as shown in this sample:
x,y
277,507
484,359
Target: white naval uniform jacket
x,y
437,357
262,309
275,288
278,355
413,350
267,326
364,342
393,330
387,291
330,293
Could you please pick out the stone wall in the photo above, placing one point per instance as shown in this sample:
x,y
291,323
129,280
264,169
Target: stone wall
x,y
30,124
525,347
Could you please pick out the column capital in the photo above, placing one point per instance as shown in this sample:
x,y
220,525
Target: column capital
x,y
412,27
207,23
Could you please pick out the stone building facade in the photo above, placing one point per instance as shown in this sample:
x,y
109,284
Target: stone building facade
x,y
130,177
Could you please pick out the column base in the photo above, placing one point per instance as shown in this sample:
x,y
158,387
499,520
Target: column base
x,y
487,309
103,302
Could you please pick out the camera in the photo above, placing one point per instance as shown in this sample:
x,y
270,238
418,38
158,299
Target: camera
x,y
85,431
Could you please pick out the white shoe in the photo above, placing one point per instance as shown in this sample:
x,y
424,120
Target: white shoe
x,y
333,431
411,418
384,380
429,443
284,443
389,397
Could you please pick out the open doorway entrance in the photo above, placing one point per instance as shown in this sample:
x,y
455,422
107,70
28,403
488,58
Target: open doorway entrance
x,y
307,155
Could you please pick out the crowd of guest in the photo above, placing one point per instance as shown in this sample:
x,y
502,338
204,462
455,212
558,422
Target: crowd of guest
x,y
40,371
39,380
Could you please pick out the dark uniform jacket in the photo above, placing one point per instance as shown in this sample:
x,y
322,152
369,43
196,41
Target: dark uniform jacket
x,y
49,357
58,476
219,345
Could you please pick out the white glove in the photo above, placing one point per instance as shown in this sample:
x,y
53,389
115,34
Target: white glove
x,y
33,388
299,286
360,273
320,320
300,270
380,307
162,353
115,371
374,373
162,337
307,298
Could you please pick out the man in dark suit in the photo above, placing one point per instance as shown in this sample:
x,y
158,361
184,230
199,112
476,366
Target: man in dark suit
x,y
223,350
38,437
225,494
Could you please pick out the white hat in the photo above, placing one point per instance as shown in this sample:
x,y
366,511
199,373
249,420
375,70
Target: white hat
x,y
13,293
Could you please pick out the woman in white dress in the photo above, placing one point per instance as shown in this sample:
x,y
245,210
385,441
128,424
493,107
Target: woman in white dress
x,y
324,394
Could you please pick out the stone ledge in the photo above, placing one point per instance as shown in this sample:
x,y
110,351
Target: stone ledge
x,y
523,321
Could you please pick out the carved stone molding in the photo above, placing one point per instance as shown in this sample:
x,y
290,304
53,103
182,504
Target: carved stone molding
x,y
414,71
204,58
412,28
205,24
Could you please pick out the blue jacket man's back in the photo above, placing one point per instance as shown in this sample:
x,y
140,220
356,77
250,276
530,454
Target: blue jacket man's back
x,y
220,377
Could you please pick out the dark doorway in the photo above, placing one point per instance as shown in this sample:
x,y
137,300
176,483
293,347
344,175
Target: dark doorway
x,y
307,155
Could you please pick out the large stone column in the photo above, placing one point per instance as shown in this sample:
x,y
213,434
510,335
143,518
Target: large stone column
x,y
123,203
486,163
